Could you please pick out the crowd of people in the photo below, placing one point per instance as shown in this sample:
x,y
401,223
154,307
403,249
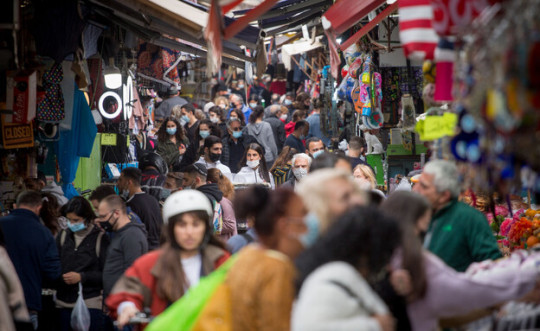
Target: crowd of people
x,y
316,246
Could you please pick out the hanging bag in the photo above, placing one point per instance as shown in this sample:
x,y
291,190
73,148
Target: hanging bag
x,y
80,316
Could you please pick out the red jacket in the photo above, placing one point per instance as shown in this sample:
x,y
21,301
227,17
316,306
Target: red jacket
x,y
138,284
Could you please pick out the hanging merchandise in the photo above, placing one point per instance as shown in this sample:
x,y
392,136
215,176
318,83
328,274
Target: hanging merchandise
x,y
51,108
444,57
408,113
21,97
415,29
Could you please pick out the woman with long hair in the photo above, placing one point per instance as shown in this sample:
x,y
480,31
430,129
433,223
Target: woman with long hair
x,y
215,176
297,115
434,290
262,131
364,176
171,141
159,278
237,113
50,214
253,168
217,116
82,248
281,169
262,277
337,272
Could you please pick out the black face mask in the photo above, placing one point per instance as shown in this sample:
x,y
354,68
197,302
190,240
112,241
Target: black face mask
x,y
214,157
107,226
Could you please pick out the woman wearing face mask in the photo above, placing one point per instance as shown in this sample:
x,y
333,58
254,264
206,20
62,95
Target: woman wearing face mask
x,y
253,101
190,251
223,103
82,249
262,131
334,291
171,141
217,116
254,170
238,114
261,280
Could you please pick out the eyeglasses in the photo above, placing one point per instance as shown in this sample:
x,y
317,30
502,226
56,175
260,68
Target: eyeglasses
x,y
103,216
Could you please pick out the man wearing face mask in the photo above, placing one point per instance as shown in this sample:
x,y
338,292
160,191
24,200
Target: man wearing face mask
x,y
314,121
213,148
191,122
235,144
278,128
295,139
238,103
315,147
142,204
300,168
128,243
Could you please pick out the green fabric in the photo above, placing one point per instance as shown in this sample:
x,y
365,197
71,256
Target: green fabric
x,y
375,161
88,175
169,151
183,314
460,235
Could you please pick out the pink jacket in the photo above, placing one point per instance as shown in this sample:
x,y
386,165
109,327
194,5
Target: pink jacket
x,y
450,293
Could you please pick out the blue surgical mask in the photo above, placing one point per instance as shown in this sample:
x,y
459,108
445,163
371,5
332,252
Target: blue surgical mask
x,y
317,153
252,105
204,134
164,194
312,233
171,131
287,102
185,118
237,134
76,227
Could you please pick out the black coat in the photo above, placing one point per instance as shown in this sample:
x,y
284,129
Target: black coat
x,y
83,260
245,140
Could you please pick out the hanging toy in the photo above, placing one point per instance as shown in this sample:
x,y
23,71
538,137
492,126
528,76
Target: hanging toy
x,y
376,119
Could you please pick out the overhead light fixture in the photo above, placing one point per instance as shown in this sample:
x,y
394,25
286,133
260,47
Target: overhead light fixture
x,y
338,41
113,76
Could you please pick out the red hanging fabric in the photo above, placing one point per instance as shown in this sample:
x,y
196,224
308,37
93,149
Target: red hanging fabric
x,y
416,32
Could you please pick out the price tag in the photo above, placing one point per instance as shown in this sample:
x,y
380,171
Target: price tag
x,y
108,139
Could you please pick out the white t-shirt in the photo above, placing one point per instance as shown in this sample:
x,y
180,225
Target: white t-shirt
x,y
192,268
223,168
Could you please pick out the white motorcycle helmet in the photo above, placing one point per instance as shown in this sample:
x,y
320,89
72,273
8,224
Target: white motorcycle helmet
x,y
186,201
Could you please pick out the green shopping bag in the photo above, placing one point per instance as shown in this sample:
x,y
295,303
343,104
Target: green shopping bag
x,y
185,314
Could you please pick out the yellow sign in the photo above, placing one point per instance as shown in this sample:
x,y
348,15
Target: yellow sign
x,y
16,135
435,127
108,139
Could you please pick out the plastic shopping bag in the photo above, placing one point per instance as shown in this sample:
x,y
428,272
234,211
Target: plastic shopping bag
x,y
80,316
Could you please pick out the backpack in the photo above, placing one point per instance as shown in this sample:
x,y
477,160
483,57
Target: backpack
x,y
205,307
217,220
98,241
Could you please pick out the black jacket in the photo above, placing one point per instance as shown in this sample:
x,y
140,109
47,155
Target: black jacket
x,y
245,140
278,128
83,260
152,183
149,211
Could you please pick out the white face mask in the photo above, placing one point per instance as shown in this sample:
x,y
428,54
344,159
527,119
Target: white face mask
x,y
299,173
283,117
214,119
363,183
253,164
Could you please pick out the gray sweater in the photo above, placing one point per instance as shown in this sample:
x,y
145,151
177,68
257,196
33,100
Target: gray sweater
x,y
126,246
263,133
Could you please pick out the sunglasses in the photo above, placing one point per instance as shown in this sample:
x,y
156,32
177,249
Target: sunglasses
x,y
237,129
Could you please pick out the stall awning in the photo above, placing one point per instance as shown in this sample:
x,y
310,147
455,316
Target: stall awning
x,y
287,51
162,31
346,13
